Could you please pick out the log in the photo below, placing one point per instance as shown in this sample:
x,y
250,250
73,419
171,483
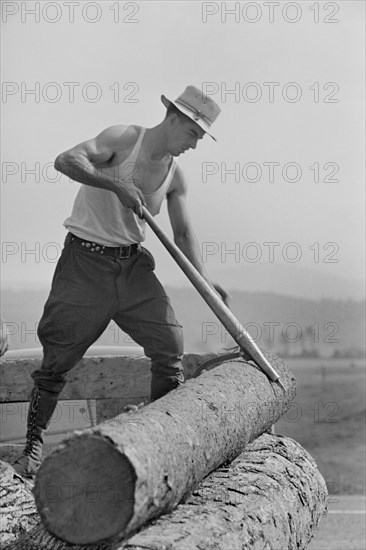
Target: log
x,y
105,482
271,497
18,509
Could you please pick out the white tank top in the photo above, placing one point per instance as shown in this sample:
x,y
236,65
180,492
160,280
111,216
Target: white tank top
x,y
99,216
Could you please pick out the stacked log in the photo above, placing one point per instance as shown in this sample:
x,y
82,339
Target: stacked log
x,y
17,506
105,483
271,497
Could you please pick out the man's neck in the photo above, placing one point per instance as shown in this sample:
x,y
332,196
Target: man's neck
x,y
155,144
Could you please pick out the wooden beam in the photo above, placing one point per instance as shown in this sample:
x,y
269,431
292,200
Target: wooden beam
x,y
125,378
104,483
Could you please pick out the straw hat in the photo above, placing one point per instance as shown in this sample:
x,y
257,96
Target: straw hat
x,y
198,107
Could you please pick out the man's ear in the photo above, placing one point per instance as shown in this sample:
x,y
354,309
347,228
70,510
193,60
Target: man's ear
x,y
174,120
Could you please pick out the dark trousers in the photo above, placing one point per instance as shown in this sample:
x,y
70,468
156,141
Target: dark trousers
x,y
90,289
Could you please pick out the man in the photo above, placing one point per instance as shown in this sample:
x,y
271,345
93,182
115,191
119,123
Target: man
x,y
104,273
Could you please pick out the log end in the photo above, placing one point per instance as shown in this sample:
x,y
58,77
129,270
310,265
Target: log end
x,y
84,491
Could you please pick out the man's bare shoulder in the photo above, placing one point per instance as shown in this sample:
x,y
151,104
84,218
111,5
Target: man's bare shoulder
x,y
121,135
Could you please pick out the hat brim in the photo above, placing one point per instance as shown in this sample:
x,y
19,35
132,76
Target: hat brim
x,y
188,113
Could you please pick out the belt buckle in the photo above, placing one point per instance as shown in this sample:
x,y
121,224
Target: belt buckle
x,y
124,252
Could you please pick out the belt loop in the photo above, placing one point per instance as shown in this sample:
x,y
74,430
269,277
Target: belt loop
x,y
69,239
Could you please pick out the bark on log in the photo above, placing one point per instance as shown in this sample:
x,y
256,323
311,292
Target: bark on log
x,y
272,497
17,508
105,483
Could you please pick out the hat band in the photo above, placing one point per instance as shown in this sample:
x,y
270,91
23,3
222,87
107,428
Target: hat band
x,y
197,113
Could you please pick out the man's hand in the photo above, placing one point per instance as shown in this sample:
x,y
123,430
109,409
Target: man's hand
x,y
131,197
225,297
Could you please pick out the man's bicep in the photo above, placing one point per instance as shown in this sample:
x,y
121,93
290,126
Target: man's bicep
x,y
99,149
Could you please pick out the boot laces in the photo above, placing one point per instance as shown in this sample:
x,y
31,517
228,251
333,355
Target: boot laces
x,y
31,436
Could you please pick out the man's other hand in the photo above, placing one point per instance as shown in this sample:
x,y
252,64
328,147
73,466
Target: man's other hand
x,y
131,197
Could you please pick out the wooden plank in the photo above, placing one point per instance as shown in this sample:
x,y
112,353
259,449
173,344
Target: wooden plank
x,y
121,377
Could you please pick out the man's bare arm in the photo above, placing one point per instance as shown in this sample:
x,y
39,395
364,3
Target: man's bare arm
x,y
184,235
84,162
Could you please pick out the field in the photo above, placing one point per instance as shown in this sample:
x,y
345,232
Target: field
x,y
328,419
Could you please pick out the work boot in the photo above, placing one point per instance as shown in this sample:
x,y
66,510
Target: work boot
x,y
160,386
41,407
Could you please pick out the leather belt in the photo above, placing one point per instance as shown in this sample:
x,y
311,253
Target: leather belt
x,y
121,252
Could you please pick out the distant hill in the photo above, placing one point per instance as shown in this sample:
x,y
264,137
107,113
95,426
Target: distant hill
x,y
282,323
290,280
275,321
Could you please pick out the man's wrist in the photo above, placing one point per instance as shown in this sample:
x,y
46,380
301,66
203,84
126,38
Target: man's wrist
x,y
116,185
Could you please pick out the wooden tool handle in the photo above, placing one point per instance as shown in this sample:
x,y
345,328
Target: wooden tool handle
x,y
222,312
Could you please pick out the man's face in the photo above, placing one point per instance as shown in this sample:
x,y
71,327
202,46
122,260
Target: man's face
x,y
183,136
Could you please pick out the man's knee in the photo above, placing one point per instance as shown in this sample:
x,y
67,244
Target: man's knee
x,y
55,330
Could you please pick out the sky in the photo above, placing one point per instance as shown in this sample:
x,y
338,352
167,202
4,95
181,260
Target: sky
x,y
283,184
